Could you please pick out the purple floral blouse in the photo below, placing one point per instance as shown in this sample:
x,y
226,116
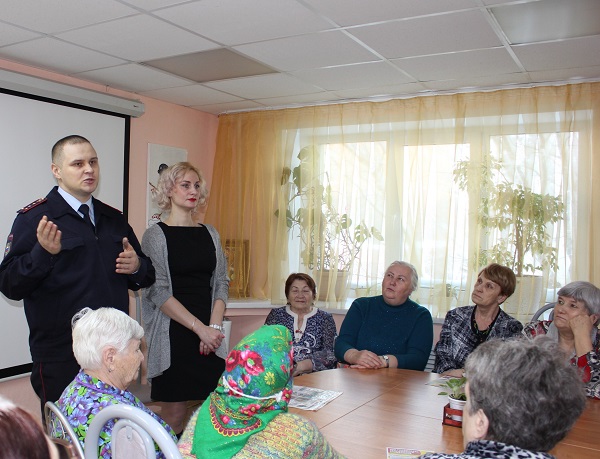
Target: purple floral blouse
x,y
86,396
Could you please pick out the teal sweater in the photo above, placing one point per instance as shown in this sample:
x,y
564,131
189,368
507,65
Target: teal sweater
x,y
405,331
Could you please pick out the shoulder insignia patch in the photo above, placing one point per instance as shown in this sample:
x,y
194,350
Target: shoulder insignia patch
x,y
8,244
30,206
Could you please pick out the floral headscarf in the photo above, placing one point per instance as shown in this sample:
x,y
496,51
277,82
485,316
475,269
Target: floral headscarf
x,y
255,387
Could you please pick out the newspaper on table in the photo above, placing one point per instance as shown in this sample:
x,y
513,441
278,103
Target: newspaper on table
x,y
311,398
404,453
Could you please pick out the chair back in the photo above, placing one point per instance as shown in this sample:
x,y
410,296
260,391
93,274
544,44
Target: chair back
x,y
430,360
133,435
57,426
542,310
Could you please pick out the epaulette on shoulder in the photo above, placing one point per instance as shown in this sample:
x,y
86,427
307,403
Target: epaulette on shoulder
x,y
30,206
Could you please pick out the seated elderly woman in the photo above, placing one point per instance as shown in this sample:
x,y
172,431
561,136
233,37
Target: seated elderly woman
x,y
106,344
246,416
313,330
22,436
522,399
388,330
467,327
574,328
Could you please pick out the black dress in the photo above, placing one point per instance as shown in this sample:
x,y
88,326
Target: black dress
x,y
192,260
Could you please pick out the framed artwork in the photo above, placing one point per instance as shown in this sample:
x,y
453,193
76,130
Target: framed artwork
x,y
237,252
159,158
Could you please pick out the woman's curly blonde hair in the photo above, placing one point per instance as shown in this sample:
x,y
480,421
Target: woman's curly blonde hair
x,y
169,178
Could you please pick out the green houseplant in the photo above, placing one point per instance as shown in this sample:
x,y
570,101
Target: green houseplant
x,y
330,239
516,210
455,388
457,398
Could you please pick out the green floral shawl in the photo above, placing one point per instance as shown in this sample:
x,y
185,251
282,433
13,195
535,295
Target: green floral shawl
x,y
258,367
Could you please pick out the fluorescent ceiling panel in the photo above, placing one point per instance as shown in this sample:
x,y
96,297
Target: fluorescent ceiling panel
x,y
213,65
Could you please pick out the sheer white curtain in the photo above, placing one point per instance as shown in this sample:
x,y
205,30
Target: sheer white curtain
x,y
426,180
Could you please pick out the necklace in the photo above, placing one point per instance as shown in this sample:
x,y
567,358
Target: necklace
x,y
481,335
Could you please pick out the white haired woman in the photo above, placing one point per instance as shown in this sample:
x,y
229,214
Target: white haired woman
x,y
575,329
106,344
522,399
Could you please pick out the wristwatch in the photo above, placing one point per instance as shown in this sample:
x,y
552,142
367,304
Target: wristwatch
x,y
218,327
387,360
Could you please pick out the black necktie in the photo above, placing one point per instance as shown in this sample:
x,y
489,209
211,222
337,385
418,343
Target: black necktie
x,y
85,210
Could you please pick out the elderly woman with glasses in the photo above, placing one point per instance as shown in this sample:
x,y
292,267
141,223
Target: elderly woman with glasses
x,y
575,329
106,344
522,399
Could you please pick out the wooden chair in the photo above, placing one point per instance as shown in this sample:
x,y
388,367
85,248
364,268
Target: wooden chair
x,y
57,426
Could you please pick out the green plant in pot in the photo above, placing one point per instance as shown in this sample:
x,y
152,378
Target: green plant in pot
x,y
455,388
523,218
330,239
456,396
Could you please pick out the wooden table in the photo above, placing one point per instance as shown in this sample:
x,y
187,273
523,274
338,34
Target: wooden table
x,y
391,407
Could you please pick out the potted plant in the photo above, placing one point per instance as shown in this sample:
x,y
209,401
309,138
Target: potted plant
x,y
521,216
456,396
330,239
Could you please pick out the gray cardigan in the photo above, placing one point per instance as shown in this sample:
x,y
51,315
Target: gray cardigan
x,y
156,323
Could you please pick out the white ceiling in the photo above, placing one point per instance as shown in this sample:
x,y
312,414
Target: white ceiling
x,y
318,51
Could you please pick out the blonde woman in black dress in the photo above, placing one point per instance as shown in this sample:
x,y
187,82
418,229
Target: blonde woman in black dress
x,y
183,311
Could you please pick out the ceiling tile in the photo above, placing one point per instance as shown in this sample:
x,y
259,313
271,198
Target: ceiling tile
x,y
151,5
53,18
128,38
380,92
353,12
49,53
317,97
481,82
10,35
260,87
464,64
232,22
583,73
353,76
576,52
548,20
308,51
134,78
230,107
195,94
213,65
429,35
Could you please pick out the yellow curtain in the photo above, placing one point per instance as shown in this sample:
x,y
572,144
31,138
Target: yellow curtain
x,y
412,174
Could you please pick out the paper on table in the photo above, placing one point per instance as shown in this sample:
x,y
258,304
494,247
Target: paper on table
x,y
404,453
310,398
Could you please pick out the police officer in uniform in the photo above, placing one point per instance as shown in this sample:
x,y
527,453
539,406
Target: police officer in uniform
x,y
65,252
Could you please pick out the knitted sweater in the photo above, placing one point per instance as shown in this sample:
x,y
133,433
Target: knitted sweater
x,y
156,324
287,436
